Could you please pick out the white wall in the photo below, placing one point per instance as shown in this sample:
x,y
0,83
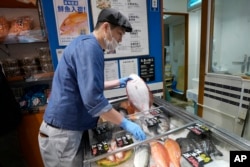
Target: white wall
x,y
232,24
194,35
194,46
175,6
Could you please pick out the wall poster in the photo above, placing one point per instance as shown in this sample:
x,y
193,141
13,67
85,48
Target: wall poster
x,y
128,66
111,70
147,69
136,42
71,19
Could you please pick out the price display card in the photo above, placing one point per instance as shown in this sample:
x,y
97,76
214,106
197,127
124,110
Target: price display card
x,y
111,70
128,66
147,69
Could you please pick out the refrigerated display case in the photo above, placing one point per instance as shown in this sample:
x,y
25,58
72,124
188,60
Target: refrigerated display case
x,y
199,142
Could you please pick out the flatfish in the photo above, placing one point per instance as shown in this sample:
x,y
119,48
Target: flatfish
x,y
139,94
142,155
186,144
155,125
149,126
163,124
205,145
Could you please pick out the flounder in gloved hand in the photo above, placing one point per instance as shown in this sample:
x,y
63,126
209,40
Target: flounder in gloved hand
x,y
139,94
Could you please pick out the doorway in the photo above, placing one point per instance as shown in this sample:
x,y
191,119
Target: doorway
x,y
175,55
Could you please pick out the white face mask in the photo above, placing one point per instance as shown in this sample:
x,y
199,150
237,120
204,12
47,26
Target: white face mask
x,y
110,45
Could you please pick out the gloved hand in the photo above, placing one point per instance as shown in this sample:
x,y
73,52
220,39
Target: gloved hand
x,y
123,81
133,128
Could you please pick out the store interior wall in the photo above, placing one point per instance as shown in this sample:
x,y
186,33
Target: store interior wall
x,y
228,54
175,6
194,46
174,34
180,6
228,46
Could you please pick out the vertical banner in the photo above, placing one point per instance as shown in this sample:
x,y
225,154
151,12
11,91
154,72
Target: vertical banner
x,y
135,43
71,19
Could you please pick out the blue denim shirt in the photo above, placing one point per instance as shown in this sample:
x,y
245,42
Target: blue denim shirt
x,y
77,95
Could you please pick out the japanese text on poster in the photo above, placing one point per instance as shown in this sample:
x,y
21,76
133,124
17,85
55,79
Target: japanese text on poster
x,y
147,69
111,70
136,42
128,66
71,19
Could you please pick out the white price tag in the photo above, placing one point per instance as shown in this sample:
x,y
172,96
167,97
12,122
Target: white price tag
x,y
154,4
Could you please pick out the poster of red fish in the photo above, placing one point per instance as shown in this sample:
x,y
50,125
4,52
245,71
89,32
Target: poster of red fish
x,y
71,19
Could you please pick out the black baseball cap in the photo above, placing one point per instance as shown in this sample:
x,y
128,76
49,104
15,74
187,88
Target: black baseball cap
x,y
114,17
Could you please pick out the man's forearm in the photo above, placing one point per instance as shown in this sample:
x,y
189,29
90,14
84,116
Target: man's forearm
x,y
111,84
112,116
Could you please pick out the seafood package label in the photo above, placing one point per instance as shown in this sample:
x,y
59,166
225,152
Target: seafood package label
x,y
124,140
105,135
199,129
99,148
151,121
197,158
104,147
155,112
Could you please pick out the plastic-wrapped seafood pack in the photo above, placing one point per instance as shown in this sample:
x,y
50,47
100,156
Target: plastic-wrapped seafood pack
x,y
107,138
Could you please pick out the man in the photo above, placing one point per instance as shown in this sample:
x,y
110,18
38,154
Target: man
x,y
77,100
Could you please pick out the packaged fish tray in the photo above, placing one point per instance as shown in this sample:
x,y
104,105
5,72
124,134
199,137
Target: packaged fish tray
x,y
156,121
105,140
189,145
199,146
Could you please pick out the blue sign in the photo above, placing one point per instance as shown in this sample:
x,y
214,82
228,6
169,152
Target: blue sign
x,y
192,4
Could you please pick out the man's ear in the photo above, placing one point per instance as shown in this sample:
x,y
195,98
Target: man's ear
x,y
105,26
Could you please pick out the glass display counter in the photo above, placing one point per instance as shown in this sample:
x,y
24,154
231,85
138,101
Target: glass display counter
x,y
197,142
